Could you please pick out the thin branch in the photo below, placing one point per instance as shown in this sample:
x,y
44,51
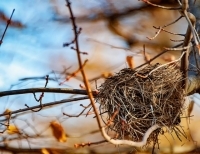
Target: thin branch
x,y
178,49
48,90
45,105
75,72
163,7
158,55
164,30
81,113
80,64
41,96
160,29
89,143
157,33
172,62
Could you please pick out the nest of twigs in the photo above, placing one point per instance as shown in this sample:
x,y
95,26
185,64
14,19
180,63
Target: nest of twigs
x,y
136,99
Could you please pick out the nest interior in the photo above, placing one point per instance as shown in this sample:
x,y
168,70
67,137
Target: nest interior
x,y
137,99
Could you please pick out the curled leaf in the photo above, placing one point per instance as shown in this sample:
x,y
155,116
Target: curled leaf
x,y
58,131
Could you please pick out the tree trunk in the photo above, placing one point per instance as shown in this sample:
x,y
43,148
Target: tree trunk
x,y
194,57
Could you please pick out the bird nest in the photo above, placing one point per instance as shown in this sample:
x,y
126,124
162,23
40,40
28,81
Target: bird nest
x,y
136,99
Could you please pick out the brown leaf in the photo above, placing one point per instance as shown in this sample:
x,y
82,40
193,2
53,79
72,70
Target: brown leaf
x,y
7,111
5,19
50,151
58,131
44,151
107,74
130,61
169,58
190,108
12,129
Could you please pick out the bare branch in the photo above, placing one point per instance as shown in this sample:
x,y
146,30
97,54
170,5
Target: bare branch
x,y
8,22
45,105
80,64
163,7
48,90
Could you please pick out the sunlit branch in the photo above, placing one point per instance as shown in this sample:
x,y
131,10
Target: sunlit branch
x,y
128,142
81,64
163,7
158,55
8,23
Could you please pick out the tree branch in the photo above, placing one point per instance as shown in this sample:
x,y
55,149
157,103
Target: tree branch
x,y
8,23
45,105
49,90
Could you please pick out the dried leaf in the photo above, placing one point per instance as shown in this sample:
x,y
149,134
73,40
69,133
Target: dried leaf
x,y
130,61
190,108
198,46
76,146
7,111
169,58
12,129
58,131
44,151
107,74
50,151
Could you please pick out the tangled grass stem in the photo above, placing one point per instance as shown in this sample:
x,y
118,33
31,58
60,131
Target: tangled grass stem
x,y
156,100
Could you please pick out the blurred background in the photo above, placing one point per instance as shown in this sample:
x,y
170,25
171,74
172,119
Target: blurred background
x,y
112,30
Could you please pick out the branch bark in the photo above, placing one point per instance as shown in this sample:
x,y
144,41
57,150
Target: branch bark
x,y
49,90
